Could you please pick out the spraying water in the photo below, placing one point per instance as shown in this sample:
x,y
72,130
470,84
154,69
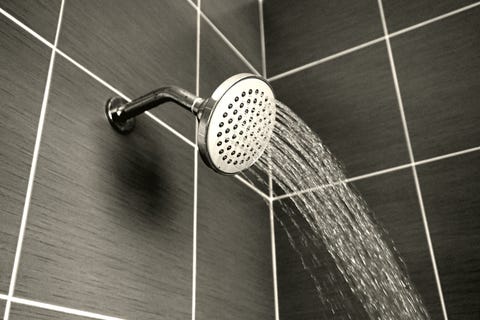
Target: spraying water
x,y
331,216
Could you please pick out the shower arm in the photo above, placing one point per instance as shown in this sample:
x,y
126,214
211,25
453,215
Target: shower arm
x,y
121,113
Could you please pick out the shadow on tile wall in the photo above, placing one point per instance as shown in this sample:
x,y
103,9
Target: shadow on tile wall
x,y
111,219
350,101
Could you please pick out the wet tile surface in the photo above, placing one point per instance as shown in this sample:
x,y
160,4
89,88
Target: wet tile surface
x,y
110,221
23,73
350,103
452,203
239,21
297,34
136,47
394,207
393,200
297,277
438,67
40,15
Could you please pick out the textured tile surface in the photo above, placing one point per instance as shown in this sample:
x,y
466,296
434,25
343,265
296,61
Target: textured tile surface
x,y
394,207
239,22
39,15
299,33
2,306
351,104
234,270
110,221
24,69
452,203
22,312
438,68
298,295
393,200
217,61
136,47
404,13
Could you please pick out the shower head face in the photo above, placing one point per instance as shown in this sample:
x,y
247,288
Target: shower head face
x,y
236,123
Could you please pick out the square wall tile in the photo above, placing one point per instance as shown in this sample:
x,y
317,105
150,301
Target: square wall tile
x,y
234,257
110,221
23,312
401,14
437,68
40,15
137,47
394,207
394,204
218,61
239,21
24,70
299,32
452,204
351,104
298,277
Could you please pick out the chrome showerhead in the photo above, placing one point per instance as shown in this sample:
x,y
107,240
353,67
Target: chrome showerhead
x,y
234,125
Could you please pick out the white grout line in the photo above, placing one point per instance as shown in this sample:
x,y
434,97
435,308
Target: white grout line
x,y
377,173
272,240
169,128
449,155
441,17
333,56
225,39
262,38
61,309
195,175
33,168
3,297
26,28
412,160
251,186
369,43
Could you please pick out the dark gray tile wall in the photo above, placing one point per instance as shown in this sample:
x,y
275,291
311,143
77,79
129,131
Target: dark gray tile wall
x,y
297,293
358,120
22,312
239,22
136,47
393,200
451,195
23,74
299,32
404,13
2,306
438,68
110,227
351,103
234,279
110,221
39,15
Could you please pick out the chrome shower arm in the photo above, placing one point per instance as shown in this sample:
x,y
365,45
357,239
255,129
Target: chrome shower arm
x,y
157,97
121,113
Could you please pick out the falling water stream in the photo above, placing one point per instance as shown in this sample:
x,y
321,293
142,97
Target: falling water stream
x,y
332,219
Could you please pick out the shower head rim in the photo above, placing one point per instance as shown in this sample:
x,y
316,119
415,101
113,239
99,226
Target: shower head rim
x,y
207,111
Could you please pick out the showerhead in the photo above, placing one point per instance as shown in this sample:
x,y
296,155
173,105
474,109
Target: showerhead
x,y
234,125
